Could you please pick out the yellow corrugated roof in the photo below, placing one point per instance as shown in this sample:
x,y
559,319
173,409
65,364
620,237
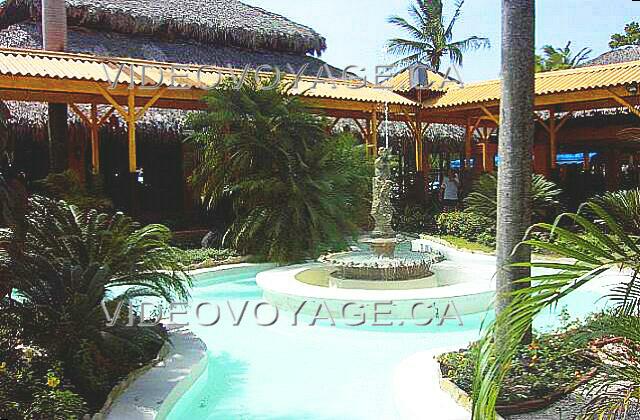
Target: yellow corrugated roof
x,y
36,63
561,81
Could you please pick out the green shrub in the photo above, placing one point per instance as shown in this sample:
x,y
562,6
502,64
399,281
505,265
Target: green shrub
x,y
467,225
190,257
68,187
416,218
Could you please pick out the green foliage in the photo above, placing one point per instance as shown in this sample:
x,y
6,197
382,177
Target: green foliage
x,y
624,206
190,257
484,197
417,218
560,58
550,364
430,36
631,36
32,384
293,186
56,404
67,186
71,261
467,225
594,249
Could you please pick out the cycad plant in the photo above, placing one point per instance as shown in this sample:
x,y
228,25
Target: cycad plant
x,y
431,36
483,198
71,261
294,188
601,243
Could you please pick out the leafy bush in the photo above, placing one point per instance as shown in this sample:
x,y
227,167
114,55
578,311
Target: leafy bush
x,y
550,364
190,257
71,261
293,186
467,225
417,218
483,199
68,187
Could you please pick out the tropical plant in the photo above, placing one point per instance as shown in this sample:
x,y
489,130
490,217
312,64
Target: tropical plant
x,y
624,206
631,36
483,198
295,189
599,245
431,37
560,58
74,260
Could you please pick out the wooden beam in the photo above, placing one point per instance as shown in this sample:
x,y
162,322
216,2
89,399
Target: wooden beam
x,y
624,103
124,114
95,141
541,121
563,120
553,138
131,128
374,133
151,102
80,114
490,115
468,140
106,116
333,125
363,130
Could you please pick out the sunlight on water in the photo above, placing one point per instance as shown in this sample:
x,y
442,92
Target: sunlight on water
x,y
322,372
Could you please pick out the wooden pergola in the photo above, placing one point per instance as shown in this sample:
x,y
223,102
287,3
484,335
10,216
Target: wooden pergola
x,y
558,96
131,87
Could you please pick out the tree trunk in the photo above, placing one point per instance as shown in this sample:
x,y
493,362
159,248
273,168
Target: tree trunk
x,y
54,38
515,144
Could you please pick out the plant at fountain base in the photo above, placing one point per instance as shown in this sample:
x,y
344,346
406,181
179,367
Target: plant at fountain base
x,y
384,269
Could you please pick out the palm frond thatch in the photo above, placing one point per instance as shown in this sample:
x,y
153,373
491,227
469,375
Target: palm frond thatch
x,y
220,22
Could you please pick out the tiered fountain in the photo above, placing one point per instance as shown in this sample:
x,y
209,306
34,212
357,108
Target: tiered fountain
x,y
390,268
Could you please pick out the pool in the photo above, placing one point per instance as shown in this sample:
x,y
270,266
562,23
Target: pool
x,y
316,372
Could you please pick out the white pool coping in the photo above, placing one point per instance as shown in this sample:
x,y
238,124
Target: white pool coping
x,y
154,393
144,399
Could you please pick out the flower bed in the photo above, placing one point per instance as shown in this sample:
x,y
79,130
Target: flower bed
x,y
542,372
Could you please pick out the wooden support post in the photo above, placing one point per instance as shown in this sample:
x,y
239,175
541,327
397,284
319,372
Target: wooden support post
x,y
374,133
468,142
553,146
586,161
131,128
95,141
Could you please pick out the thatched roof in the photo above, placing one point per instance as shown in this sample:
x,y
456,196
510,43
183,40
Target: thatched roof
x,y
219,22
620,55
81,40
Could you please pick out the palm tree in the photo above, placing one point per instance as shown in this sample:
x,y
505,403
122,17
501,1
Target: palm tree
x,y
514,176
294,188
431,38
599,244
483,199
54,38
560,58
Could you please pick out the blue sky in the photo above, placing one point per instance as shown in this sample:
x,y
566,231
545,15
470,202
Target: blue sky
x,y
356,30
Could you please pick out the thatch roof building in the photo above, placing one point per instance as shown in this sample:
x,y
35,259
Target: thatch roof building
x,y
619,55
225,33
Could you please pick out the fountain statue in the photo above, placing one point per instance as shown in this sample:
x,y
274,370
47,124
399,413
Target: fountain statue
x,y
381,209
382,239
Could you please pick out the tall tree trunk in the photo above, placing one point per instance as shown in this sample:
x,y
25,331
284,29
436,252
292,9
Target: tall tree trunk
x,y
54,38
515,144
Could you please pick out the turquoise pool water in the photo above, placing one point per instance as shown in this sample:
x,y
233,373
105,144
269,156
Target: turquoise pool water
x,y
302,372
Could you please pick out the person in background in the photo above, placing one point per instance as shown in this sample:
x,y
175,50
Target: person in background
x,y
451,190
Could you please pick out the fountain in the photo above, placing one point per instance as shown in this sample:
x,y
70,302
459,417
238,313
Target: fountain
x,y
385,267
381,263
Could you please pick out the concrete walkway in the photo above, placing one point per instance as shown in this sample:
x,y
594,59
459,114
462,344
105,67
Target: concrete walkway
x,y
417,390
144,398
